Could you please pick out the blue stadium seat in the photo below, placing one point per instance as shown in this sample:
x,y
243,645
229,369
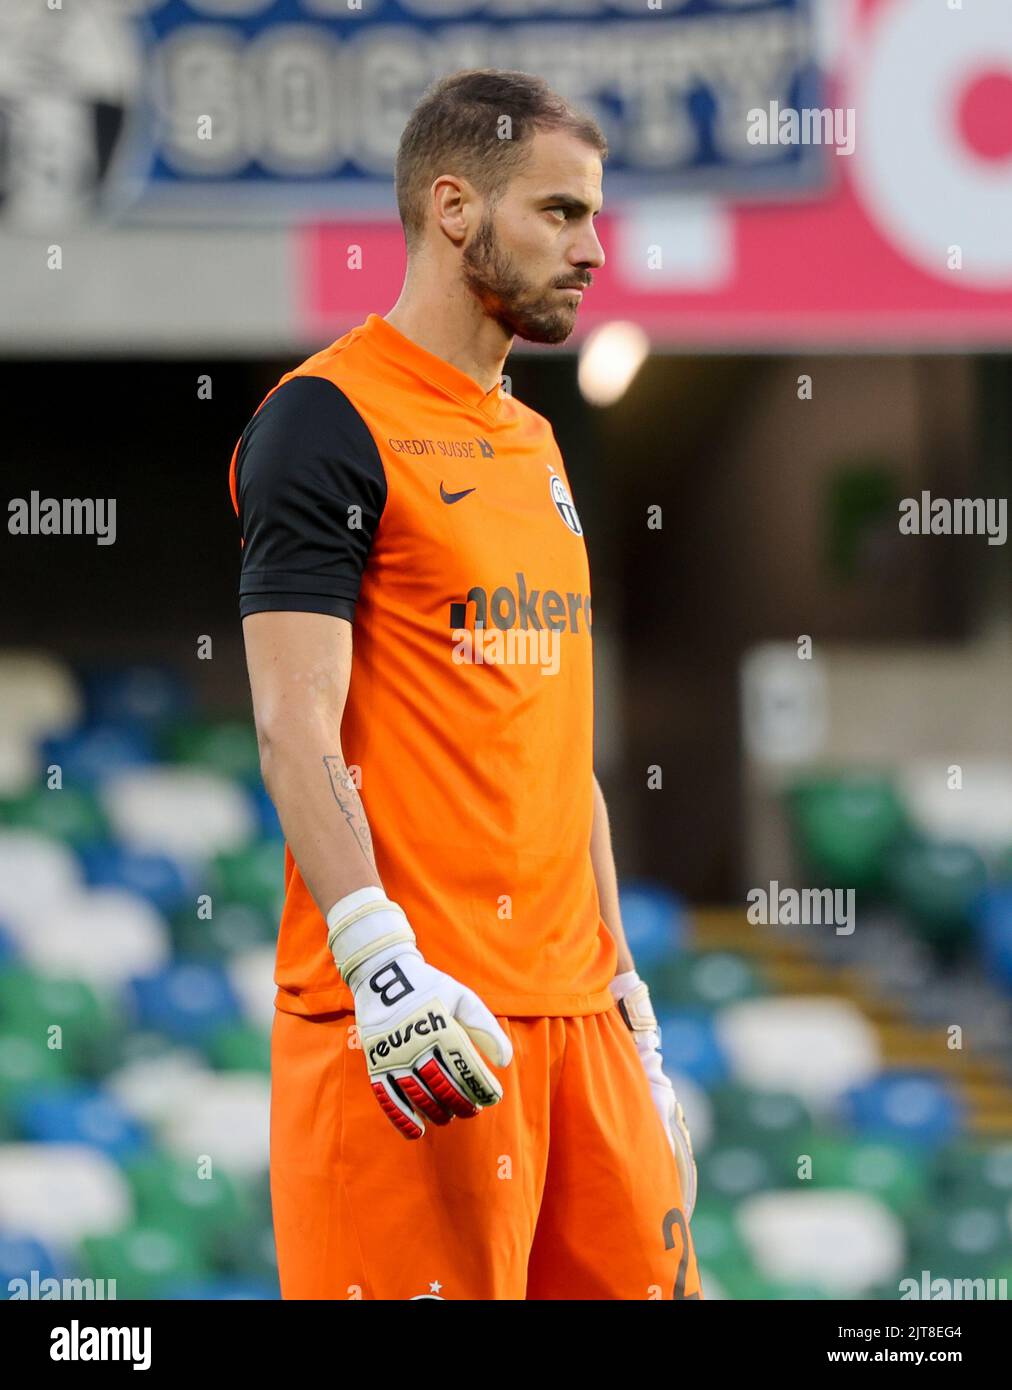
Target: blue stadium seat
x,y
145,695
270,826
8,946
20,1255
164,881
96,752
654,922
909,1106
690,1044
82,1114
188,1001
993,927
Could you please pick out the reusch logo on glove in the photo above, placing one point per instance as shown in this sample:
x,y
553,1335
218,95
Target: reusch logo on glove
x,y
399,1037
470,1081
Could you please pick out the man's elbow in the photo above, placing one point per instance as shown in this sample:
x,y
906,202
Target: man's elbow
x,y
302,732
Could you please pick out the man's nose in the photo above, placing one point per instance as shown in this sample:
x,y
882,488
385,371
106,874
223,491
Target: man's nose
x,y
588,250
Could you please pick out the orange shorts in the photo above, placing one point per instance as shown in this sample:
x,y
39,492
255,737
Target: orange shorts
x,y
567,1189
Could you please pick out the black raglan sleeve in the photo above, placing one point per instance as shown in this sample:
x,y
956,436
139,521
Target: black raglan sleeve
x,y
304,459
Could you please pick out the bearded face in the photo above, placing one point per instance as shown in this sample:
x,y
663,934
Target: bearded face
x,y
533,307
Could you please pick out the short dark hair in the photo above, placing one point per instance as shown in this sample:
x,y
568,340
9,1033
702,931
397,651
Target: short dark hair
x,y
455,129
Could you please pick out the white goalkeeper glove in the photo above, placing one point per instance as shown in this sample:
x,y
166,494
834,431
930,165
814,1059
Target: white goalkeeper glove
x,y
414,1022
633,999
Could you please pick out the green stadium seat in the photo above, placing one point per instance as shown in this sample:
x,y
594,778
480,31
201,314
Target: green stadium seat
x,y
936,884
744,1284
232,928
228,747
248,1248
169,1193
756,1287
718,1243
253,876
141,1258
26,1064
706,979
959,1239
974,1169
71,814
92,1026
734,1171
226,1217
845,826
897,1175
240,1048
776,1123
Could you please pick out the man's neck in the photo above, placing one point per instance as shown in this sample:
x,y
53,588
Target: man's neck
x,y
453,327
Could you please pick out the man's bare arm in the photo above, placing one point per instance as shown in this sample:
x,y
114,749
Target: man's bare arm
x,y
603,859
299,668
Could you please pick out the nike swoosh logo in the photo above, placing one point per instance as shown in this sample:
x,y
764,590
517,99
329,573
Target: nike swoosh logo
x,y
454,496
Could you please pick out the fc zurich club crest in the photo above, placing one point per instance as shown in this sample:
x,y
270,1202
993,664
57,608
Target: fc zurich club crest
x,y
564,503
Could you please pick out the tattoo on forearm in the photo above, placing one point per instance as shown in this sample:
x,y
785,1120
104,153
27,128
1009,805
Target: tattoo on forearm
x,y
347,797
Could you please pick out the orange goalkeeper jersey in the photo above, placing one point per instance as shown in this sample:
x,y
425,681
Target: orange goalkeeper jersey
x,y
379,483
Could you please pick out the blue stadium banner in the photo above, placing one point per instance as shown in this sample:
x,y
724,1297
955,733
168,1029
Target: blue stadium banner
x,y
293,108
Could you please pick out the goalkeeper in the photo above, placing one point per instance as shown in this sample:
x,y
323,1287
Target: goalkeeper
x,y
467,1093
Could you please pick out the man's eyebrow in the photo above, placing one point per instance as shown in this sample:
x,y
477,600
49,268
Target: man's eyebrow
x,y
566,200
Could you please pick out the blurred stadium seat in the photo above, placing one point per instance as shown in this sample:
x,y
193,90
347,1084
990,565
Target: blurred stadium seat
x,y
162,1018
134,1030
134,1041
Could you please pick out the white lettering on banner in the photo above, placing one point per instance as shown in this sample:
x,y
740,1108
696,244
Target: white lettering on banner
x,y
303,116
222,9
449,9
300,100
917,180
528,9
200,72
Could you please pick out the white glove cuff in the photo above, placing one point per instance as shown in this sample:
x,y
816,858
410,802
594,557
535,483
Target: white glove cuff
x,y
363,924
653,1065
633,999
622,984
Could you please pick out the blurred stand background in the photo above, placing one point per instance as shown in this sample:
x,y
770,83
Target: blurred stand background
x,y
809,339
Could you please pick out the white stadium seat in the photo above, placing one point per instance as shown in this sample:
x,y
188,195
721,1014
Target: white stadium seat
x,y
153,1088
61,1192
978,812
252,978
180,811
843,1241
19,764
36,873
224,1115
102,935
38,695
813,1047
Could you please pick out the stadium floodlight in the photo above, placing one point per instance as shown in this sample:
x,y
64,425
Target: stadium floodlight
x,y
610,357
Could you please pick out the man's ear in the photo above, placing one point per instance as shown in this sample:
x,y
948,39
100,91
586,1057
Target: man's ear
x,y
452,198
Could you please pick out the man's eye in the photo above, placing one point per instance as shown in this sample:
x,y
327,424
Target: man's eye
x,y
559,209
